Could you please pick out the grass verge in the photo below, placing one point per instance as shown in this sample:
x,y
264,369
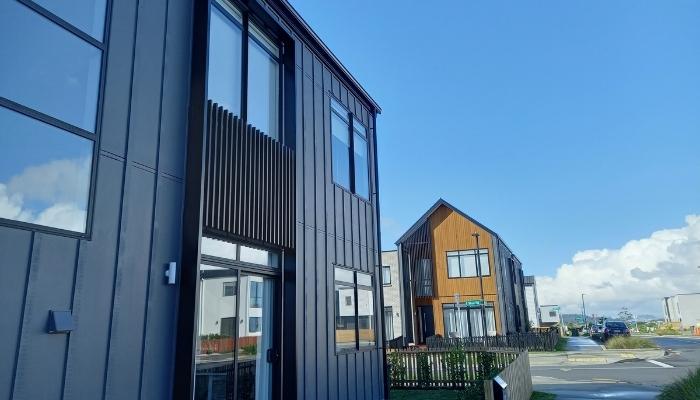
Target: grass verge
x,y
684,388
542,396
629,342
561,344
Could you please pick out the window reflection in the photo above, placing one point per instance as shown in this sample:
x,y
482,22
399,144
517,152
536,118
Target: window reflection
x,y
345,317
214,357
224,74
44,173
86,15
47,68
365,317
263,85
340,148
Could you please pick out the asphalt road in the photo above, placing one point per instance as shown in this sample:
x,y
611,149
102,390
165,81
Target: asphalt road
x,y
631,379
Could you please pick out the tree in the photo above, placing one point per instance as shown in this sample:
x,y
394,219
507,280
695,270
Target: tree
x,y
625,315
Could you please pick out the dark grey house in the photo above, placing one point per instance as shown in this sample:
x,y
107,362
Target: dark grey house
x,y
188,205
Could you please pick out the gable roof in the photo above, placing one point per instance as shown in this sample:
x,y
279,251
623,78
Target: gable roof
x,y
442,202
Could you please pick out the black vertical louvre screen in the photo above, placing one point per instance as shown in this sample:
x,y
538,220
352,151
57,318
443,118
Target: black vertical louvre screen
x,y
418,256
249,181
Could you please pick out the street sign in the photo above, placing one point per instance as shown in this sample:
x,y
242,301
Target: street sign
x,y
470,303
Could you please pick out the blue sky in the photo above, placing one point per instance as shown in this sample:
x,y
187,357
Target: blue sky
x,y
562,125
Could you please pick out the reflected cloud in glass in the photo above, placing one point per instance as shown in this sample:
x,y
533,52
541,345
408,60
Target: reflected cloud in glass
x,y
44,173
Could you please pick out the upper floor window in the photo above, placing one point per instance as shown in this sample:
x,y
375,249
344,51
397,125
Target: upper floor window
x,y
49,89
350,151
237,44
463,264
229,289
256,294
386,275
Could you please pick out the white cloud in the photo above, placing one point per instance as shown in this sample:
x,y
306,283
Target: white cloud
x,y
636,276
52,194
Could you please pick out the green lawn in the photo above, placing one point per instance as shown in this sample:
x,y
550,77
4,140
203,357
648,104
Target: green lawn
x,y
397,394
542,396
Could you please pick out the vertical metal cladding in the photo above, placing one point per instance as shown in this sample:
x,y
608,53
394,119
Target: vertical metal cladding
x,y
249,181
418,256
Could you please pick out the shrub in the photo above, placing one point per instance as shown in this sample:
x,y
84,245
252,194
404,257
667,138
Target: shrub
x,y
249,350
397,367
628,342
424,370
684,388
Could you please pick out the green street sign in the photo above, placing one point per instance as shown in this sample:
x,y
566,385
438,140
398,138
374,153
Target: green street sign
x,y
470,303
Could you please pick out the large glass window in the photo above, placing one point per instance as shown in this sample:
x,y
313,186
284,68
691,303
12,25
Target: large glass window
x,y
361,160
44,173
49,89
349,137
354,310
340,148
237,252
47,68
225,59
263,83
86,15
463,264
256,294
225,80
462,321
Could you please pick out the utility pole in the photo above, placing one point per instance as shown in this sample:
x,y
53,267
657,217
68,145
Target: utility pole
x,y
583,302
481,282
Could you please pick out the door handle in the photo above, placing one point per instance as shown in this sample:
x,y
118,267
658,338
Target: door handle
x,y
272,355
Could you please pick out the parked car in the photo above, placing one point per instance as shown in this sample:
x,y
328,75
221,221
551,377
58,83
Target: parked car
x,y
597,332
615,328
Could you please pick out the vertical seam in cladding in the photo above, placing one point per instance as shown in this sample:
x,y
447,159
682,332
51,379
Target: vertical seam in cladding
x,y
72,302
154,227
21,315
121,205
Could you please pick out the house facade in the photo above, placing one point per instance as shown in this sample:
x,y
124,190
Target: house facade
x,y
459,278
531,301
393,295
682,310
549,315
188,205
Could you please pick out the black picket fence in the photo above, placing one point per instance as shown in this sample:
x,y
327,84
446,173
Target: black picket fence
x,y
531,341
456,368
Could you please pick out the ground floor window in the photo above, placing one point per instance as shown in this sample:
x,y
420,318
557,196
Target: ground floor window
x,y
354,310
463,321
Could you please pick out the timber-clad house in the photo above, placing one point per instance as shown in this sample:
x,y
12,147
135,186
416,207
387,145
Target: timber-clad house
x,y
188,205
459,278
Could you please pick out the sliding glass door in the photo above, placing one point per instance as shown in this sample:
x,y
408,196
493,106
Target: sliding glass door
x,y
236,356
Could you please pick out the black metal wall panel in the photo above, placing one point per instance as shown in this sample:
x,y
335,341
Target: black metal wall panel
x,y
112,281
339,229
16,248
249,181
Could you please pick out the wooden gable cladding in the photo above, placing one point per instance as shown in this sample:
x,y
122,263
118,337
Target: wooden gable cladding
x,y
452,232
249,187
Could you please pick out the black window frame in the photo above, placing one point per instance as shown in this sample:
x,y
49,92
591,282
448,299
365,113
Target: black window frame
x,y
94,137
351,118
355,285
246,17
481,251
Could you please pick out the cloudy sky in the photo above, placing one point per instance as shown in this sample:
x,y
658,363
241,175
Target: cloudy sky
x,y
571,128
636,275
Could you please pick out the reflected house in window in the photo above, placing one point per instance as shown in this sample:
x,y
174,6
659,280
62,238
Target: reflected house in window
x,y
454,286
185,178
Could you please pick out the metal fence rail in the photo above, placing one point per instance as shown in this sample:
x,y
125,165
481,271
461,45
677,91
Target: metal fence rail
x,y
455,368
531,341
